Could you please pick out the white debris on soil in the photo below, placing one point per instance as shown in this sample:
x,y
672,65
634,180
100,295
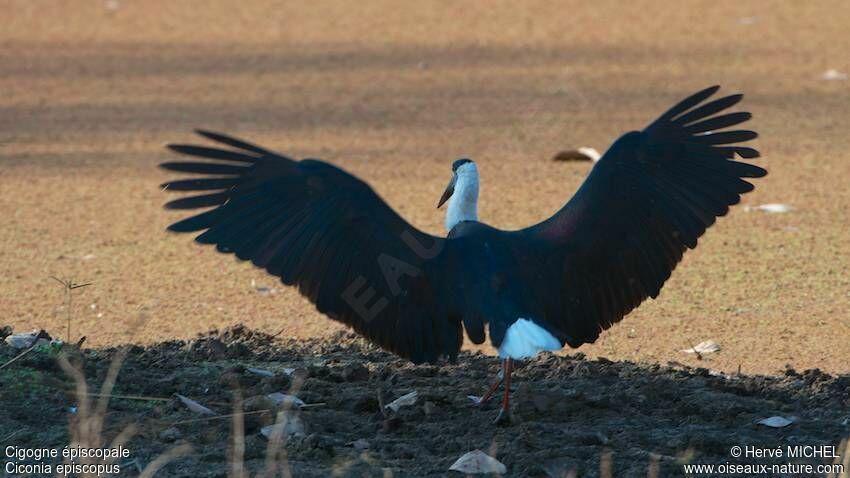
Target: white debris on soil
x,y
282,400
195,406
833,75
776,422
771,207
718,373
261,372
477,462
25,340
360,444
403,401
707,347
591,153
262,288
289,425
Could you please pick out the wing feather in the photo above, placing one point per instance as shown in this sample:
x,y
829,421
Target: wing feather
x,y
323,230
648,199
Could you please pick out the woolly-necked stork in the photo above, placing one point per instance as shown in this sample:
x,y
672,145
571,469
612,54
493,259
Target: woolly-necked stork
x,y
559,282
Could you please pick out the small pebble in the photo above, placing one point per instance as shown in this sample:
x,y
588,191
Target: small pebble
x,y
170,435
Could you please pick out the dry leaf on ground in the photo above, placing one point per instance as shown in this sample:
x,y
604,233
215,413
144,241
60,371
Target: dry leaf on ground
x,y
477,462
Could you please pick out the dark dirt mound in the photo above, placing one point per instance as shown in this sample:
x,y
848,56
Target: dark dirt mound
x,y
569,412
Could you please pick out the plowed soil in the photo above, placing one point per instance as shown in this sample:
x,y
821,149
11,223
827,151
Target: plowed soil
x,y
571,414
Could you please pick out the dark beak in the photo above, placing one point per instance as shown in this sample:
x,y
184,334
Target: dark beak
x,y
450,189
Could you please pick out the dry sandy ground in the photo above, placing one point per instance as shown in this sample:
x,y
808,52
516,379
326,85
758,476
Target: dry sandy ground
x,y
89,95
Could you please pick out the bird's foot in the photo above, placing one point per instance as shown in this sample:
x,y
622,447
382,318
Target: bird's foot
x,y
481,401
504,418
478,401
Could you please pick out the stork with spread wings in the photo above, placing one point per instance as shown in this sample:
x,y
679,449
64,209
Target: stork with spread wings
x,y
560,282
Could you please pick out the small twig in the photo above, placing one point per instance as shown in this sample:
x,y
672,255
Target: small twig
x,y
237,453
134,461
11,435
38,337
699,355
229,415
381,405
165,458
130,397
218,417
69,285
16,358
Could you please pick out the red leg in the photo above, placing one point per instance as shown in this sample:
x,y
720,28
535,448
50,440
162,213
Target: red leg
x,y
487,396
504,417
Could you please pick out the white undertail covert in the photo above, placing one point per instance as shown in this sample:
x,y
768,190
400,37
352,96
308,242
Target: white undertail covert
x,y
525,339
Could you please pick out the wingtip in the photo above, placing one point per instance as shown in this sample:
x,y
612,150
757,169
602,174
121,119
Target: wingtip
x,y
685,104
180,148
172,205
747,154
169,166
706,93
209,134
179,228
232,141
734,99
199,131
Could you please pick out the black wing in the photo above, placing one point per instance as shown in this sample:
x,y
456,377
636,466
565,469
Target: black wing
x,y
320,228
651,196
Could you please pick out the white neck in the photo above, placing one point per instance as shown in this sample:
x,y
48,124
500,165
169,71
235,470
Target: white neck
x,y
463,205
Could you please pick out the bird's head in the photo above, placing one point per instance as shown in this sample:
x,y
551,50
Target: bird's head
x,y
462,168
